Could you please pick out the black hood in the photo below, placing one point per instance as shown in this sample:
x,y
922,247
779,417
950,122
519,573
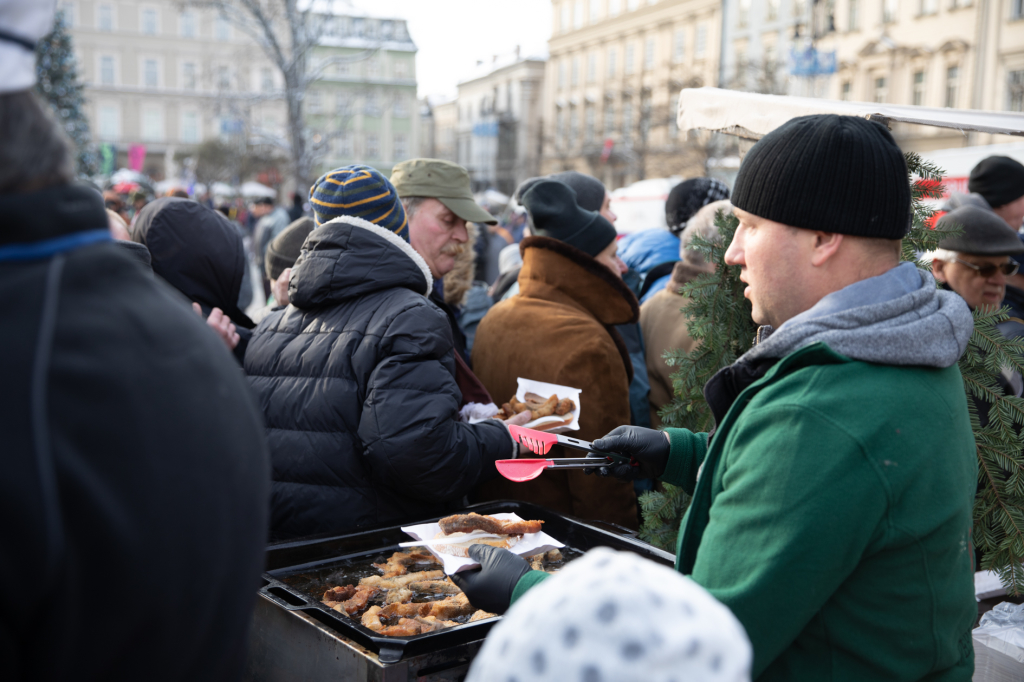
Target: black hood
x,y
349,258
52,212
196,251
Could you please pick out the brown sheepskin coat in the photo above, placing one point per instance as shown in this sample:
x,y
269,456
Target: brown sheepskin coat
x,y
557,329
665,327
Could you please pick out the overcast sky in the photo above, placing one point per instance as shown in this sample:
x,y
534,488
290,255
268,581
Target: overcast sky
x,y
453,34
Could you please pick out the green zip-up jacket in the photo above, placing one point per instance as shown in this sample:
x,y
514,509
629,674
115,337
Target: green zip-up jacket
x,y
832,515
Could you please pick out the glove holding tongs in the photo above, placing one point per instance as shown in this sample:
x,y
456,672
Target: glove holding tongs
x,y
628,452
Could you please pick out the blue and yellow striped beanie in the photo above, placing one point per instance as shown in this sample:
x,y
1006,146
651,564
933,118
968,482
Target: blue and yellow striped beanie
x,y
362,192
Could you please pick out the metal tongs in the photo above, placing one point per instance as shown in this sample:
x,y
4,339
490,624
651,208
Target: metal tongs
x,y
540,442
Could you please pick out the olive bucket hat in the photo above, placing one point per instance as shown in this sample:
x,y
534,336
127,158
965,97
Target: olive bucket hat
x,y
442,180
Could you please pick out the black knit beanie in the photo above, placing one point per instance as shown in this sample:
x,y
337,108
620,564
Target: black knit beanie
x,y
555,213
999,179
589,190
826,172
688,197
284,249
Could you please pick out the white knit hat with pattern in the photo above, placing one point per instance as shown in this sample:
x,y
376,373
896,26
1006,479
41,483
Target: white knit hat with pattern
x,y
615,617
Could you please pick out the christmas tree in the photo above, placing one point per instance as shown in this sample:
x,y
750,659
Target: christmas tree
x,y
57,82
719,318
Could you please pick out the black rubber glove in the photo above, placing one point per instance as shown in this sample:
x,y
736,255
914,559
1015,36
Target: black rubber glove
x,y
490,586
647,447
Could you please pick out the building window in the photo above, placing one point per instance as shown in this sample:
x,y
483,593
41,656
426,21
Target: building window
x,y
611,62
673,121
148,21
560,127
929,6
577,15
890,9
649,54
588,124
150,73
630,49
918,98
372,104
190,127
575,80
106,70
846,91
400,108
343,145
592,67
1015,91
105,18
743,13
609,117
221,28
152,125
342,103
372,146
187,23
773,10
632,4
853,15
679,45
614,7
400,69
561,73
266,80
627,118
400,147
952,85
881,90
188,76
373,67
110,122
798,7
701,44
68,8
223,78
315,101
574,127
1016,9
564,22
595,11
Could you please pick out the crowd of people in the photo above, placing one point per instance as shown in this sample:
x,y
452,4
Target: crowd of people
x,y
167,416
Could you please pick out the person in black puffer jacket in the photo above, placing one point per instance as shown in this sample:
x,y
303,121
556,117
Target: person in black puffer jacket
x,y
356,377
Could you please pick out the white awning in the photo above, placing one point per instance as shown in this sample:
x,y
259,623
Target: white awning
x,y
752,115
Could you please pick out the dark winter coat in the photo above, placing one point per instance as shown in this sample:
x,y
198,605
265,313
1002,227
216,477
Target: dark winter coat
x,y
199,253
559,329
135,476
356,379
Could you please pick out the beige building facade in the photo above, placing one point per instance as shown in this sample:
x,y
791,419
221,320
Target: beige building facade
x,y
167,79
965,54
613,78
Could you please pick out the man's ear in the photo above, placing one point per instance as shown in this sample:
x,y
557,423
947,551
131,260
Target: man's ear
x,y
939,270
826,245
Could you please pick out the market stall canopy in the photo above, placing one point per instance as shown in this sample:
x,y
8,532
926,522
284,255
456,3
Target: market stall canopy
x,y
751,115
255,189
221,189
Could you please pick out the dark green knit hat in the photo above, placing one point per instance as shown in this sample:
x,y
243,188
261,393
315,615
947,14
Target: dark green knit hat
x,y
825,172
284,249
554,213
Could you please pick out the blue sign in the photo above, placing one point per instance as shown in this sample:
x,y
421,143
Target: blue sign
x,y
811,62
488,129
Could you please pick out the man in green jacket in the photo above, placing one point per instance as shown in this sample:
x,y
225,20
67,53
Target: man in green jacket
x,y
832,504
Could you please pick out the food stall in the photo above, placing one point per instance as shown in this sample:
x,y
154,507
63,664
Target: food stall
x,y
297,636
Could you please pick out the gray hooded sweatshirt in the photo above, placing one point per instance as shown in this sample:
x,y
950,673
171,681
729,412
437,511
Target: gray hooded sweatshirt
x,y
897,318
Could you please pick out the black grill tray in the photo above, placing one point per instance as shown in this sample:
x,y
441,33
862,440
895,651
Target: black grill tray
x,y
299,556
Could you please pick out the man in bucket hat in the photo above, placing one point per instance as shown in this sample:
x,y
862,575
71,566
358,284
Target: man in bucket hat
x,y
439,202
832,504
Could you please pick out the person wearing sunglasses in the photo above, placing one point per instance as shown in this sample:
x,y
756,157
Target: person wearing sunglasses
x,y
975,262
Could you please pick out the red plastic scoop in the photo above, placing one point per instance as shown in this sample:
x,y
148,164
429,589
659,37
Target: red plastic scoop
x,y
521,470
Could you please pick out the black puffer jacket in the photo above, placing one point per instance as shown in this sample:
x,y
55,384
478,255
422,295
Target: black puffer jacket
x,y
356,379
